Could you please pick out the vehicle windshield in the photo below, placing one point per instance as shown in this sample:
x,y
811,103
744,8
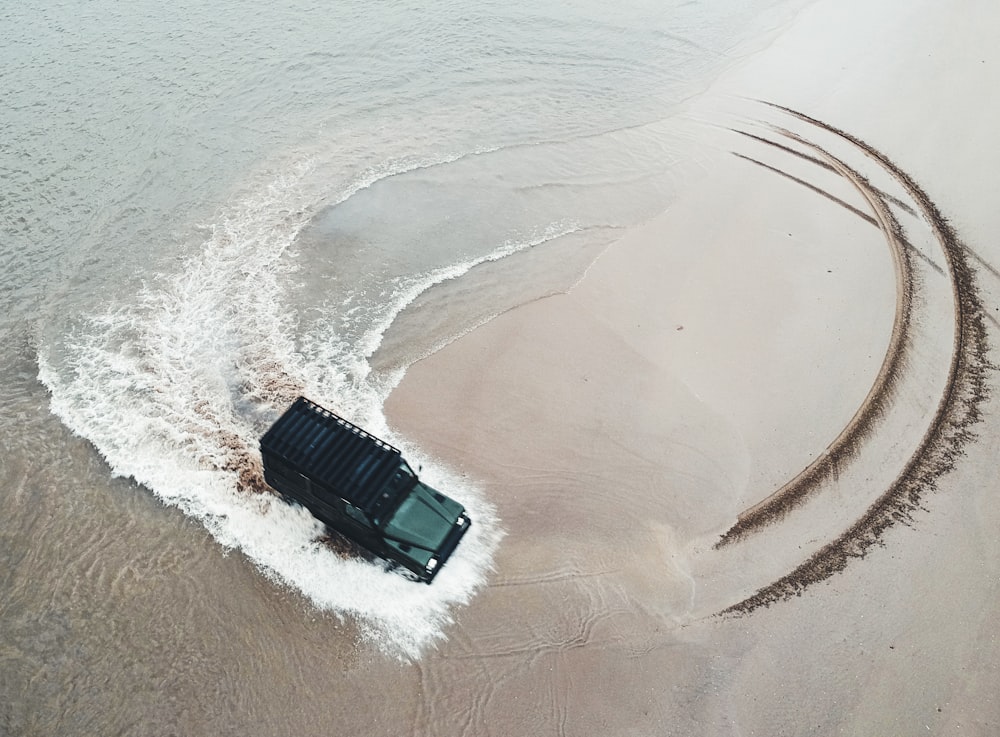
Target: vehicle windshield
x,y
395,491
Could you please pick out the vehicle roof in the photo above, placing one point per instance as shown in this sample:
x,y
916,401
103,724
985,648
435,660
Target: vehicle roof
x,y
335,454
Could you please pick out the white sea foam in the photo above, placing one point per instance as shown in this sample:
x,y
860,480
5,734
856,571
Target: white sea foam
x,y
175,387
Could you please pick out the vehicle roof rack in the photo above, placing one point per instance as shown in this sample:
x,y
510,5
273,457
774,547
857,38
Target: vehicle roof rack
x,y
336,455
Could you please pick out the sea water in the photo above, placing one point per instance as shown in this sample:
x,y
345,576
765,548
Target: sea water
x,y
210,208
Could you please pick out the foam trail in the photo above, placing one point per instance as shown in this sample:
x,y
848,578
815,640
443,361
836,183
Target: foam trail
x,y
175,388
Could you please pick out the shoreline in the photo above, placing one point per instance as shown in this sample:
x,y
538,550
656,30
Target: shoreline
x,y
717,351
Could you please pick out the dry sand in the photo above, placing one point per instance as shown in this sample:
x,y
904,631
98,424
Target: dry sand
x,y
800,327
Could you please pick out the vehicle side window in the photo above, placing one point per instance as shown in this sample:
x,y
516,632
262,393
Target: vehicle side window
x,y
390,495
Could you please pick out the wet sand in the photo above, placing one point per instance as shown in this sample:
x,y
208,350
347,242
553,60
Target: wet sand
x,y
746,464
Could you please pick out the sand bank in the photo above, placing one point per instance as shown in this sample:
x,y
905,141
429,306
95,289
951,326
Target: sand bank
x,y
798,322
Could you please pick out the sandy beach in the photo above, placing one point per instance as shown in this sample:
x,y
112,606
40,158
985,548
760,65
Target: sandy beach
x,y
724,409
746,465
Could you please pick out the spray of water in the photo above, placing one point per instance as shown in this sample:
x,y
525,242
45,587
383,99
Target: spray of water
x,y
175,386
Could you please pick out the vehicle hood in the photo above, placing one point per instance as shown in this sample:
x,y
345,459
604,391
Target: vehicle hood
x,y
424,519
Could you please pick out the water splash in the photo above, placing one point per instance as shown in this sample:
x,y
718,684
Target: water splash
x,y
174,388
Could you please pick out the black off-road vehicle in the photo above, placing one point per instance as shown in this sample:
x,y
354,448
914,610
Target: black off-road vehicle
x,y
361,487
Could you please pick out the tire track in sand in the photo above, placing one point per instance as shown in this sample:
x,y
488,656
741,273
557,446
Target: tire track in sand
x,y
845,446
950,430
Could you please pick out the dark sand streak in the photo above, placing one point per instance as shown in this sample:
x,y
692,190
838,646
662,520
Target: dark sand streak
x,y
983,262
990,268
787,149
822,192
959,409
878,196
846,445
820,163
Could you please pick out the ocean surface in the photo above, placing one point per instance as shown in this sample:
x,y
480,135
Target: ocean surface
x,y
209,208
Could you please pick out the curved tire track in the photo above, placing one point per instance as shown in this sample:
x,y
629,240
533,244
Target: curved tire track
x,y
845,445
948,433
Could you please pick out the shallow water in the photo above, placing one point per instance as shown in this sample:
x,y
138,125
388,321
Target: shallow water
x,y
207,210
